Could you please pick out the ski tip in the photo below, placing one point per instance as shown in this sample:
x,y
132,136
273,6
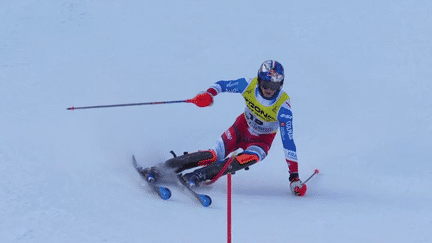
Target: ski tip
x,y
164,193
317,171
205,200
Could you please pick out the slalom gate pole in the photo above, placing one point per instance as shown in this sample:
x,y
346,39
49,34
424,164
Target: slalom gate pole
x,y
229,207
222,171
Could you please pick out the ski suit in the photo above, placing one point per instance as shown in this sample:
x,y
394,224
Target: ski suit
x,y
255,129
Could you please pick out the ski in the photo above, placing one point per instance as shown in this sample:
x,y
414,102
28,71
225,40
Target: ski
x,y
201,198
161,191
165,193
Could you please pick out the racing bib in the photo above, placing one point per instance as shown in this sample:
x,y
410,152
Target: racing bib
x,y
262,119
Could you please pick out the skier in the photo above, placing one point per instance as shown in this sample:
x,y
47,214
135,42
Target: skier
x,y
267,110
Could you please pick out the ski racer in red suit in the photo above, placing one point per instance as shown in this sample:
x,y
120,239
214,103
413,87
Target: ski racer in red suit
x,y
267,110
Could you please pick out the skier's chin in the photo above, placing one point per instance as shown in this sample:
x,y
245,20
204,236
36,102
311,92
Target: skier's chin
x,y
268,94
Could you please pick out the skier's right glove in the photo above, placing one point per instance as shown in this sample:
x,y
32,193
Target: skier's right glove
x,y
296,185
203,99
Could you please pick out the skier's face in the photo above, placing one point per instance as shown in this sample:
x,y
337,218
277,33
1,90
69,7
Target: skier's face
x,y
267,91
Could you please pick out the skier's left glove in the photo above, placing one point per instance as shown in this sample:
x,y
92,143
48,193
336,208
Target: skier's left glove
x,y
297,187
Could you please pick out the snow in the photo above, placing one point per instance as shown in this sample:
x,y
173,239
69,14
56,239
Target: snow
x,y
358,74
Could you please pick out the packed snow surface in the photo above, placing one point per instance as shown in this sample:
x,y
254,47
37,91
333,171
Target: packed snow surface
x,y
358,74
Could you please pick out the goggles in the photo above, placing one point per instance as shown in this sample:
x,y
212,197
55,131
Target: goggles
x,y
270,85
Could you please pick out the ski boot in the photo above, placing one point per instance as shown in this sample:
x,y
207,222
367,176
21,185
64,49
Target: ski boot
x,y
151,173
195,178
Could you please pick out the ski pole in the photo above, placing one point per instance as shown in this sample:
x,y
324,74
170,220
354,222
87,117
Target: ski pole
x,y
315,172
130,104
197,101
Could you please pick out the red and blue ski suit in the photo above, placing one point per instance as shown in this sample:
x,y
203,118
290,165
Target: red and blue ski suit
x,y
255,129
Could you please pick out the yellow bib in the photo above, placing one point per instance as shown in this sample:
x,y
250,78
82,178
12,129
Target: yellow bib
x,y
265,113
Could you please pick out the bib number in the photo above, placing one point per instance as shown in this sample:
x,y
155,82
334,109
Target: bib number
x,y
251,118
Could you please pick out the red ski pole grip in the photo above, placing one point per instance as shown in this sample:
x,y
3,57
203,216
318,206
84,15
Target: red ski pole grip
x,y
202,100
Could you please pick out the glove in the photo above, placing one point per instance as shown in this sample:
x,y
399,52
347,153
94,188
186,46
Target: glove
x,y
297,187
203,99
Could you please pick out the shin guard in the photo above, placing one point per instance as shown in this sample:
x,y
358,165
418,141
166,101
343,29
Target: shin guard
x,y
191,160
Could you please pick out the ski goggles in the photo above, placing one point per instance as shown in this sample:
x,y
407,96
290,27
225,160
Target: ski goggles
x,y
270,85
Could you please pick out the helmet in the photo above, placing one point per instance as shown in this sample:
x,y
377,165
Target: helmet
x,y
271,72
